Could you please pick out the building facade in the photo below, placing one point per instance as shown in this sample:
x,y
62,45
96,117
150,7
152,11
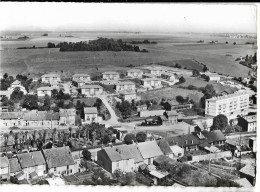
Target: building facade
x,y
42,91
91,90
135,73
110,75
47,78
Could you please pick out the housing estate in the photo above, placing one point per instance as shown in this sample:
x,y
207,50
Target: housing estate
x,y
125,86
230,105
110,75
151,83
91,114
67,116
135,73
91,90
47,78
42,91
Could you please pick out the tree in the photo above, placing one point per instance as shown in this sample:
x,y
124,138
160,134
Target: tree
x,y
117,174
234,43
47,103
5,76
180,99
195,73
220,122
205,68
86,155
16,95
141,137
129,138
30,102
125,108
209,92
182,80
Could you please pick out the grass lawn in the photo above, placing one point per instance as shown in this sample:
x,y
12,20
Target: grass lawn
x,y
89,101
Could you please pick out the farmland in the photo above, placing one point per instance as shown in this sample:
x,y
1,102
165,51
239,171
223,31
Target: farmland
x,y
171,48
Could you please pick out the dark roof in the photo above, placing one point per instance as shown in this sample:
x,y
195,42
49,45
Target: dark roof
x,y
31,159
14,165
181,140
249,170
10,115
40,116
118,153
91,86
90,110
161,159
58,157
164,146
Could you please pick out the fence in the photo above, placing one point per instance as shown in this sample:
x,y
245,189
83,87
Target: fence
x,y
196,158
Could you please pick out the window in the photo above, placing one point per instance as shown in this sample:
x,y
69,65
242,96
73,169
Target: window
x,y
117,164
71,171
54,168
149,161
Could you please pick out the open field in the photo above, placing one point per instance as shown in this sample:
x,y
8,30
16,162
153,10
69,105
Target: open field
x,y
181,48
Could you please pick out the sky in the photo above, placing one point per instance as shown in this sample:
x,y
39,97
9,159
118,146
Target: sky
x,y
165,17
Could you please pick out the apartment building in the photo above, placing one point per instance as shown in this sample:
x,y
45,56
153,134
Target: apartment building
x,y
151,83
135,73
81,77
47,78
126,86
110,75
230,105
91,90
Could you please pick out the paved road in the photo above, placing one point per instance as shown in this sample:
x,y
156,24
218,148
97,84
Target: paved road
x,y
242,135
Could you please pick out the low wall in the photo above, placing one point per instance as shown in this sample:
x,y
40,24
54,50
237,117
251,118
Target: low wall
x,y
196,158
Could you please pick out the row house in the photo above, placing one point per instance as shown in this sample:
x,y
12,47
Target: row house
x,y
110,75
81,77
151,83
9,119
135,73
32,164
125,86
59,161
91,90
67,116
248,123
41,119
42,91
5,168
15,167
47,78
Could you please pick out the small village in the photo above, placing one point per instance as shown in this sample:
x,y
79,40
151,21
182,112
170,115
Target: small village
x,y
96,130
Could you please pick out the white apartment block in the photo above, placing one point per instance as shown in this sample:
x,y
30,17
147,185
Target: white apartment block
x,y
91,90
127,86
151,83
135,73
47,78
110,75
230,105
81,77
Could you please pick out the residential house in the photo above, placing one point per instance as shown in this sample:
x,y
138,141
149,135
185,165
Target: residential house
x,y
91,114
55,85
59,160
156,71
15,166
149,75
135,73
5,168
10,119
91,90
47,78
151,83
138,159
248,172
172,117
248,123
176,106
42,91
141,108
116,157
125,86
77,156
165,148
216,137
129,96
78,83
187,141
149,151
177,151
67,116
110,75
5,94
32,163
214,77
37,118
81,77
169,77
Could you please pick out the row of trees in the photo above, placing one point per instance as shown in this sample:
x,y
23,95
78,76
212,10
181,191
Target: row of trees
x,y
131,138
101,44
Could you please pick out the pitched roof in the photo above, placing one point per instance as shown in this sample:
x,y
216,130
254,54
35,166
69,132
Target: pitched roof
x,y
164,146
16,82
243,182
172,113
14,165
118,153
183,140
40,115
149,149
136,153
4,162
67,112
249,170
81,75
91,87
58,157
90,110
159,160
45,89
11,115
51,75
134,70
31,159
150,79
111,72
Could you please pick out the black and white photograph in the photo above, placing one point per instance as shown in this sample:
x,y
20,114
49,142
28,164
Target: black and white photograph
x,y
128,94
